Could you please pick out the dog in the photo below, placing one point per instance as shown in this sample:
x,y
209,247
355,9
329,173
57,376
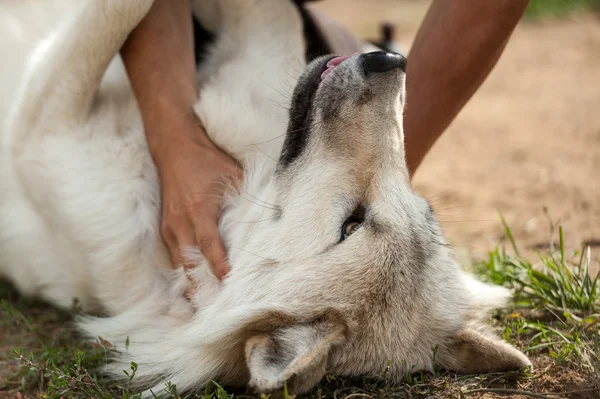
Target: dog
x,y
337,265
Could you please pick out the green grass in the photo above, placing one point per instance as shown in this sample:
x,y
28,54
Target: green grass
x,y
554,282
556,300
558,8
555,319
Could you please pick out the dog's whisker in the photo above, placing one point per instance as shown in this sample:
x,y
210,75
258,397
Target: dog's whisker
x,y
267,141
303,66
252,253
252,221
443,195
258,199
313,125
265,154
284,95
449,208
468,221
279,105
258,203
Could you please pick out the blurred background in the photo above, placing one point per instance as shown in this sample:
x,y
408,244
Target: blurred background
x,y
527,146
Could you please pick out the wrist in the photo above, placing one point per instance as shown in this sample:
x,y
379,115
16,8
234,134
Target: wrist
x,y
169,132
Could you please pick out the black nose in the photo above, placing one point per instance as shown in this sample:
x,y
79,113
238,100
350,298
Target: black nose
x,y
380,61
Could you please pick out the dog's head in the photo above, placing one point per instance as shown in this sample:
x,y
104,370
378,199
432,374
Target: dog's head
x,y
339,266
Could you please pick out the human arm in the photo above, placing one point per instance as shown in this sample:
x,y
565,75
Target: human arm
x,y
456,47
159,58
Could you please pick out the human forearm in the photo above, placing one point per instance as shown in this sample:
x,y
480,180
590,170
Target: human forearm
x,y
456,47
159,58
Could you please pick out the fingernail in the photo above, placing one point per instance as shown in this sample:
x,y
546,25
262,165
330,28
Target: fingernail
x,y
223,274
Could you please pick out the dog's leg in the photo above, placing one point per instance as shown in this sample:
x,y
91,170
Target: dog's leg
x,y
67,69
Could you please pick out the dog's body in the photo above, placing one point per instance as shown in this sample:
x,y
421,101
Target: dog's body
x,y
80,207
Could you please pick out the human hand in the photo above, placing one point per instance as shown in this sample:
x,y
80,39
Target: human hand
x,y
194,174
159,59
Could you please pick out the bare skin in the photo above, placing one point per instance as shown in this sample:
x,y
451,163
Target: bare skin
x,y
458,44
159,58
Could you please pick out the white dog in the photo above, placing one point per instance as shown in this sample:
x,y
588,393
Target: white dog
x,y
337,265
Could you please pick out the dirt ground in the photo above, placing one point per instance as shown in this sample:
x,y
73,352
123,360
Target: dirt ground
x,y
529,139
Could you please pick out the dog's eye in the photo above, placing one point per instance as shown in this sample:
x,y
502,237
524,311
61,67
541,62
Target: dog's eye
x,y
350,226
354,222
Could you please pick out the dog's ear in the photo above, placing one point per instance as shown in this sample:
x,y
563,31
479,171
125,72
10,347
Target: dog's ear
x,y
296,355
472,352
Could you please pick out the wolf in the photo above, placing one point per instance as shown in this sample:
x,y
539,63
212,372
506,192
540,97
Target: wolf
x,y
337,265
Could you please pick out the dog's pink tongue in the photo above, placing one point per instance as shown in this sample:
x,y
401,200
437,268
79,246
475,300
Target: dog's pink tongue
x,y
333,63
337,60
